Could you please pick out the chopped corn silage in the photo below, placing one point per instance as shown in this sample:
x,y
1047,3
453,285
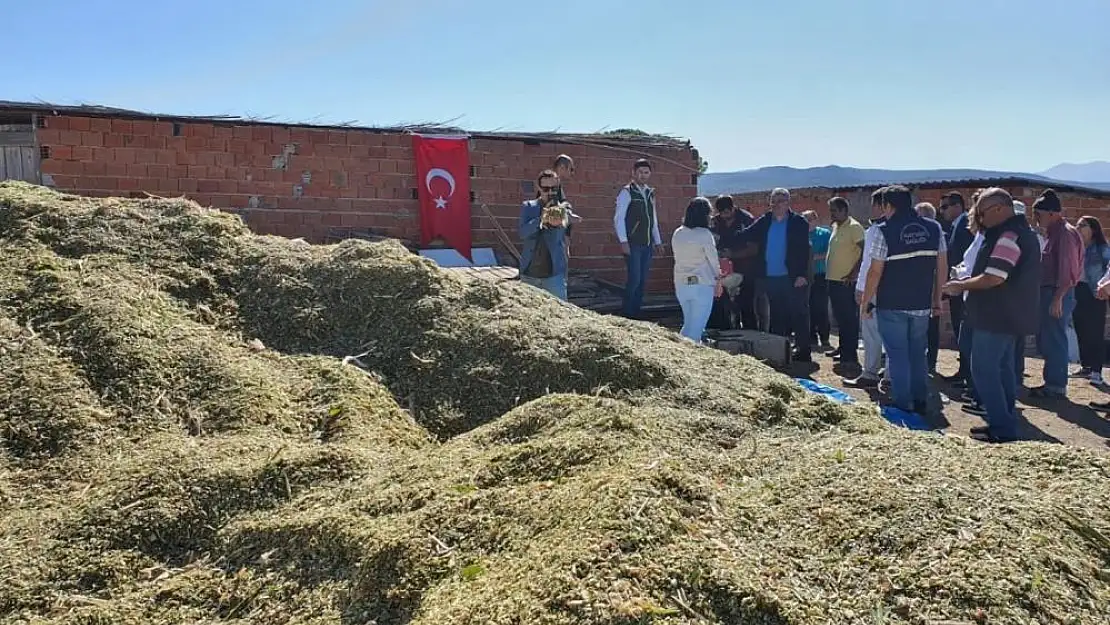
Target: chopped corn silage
x,y
181,443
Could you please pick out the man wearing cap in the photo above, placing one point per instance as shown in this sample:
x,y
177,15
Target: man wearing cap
x,y
1061,267
1004,284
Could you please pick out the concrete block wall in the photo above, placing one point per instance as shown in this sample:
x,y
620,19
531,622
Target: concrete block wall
x,y
301,181
1075,205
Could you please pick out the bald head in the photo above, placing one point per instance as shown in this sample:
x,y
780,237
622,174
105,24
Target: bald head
x,y
994,206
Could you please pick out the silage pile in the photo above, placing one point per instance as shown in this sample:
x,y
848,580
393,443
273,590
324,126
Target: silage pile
x,y
181,443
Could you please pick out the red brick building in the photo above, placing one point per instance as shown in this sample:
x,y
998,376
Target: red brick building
x,y
1077,201
313,181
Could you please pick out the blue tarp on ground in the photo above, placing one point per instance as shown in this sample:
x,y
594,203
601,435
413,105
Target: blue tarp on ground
x,y
905,419
834,394
898,417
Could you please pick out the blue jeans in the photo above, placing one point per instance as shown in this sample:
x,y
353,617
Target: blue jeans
x,y
1052,340
555,285
697,303
637,263
789,306
992,367
1019,361
906,339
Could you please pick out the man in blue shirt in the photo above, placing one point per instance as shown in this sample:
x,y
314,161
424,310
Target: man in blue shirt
x,y
782,238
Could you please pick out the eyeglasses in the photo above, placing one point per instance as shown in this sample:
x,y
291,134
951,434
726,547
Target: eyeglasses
x,y
548,189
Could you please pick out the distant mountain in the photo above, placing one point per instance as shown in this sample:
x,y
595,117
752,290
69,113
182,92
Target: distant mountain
x,y
766,178
1095,171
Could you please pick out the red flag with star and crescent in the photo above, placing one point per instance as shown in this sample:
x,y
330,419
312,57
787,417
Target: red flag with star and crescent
x,y
443,178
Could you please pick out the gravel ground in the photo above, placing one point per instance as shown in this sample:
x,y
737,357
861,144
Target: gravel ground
x,y
1069,422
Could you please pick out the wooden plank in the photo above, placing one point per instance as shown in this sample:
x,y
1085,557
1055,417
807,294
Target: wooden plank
x,y
30,164
20,138
15,163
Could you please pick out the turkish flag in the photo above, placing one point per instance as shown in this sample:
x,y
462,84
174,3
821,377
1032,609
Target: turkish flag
x,y
443,177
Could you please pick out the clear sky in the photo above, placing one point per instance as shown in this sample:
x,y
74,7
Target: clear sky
x,y
999,84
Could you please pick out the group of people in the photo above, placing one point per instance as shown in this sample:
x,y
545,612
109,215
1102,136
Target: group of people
x,y
545,233
1005,277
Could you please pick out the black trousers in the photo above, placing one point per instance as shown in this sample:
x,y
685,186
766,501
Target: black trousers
x,y
745,304
1090,323
842,296
933,345
819,309
956,314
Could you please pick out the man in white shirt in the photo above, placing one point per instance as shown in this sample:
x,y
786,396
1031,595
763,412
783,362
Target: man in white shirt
x,y
869,327
636,222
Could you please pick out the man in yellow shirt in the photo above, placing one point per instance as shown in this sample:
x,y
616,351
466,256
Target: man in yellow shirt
x,y
841,269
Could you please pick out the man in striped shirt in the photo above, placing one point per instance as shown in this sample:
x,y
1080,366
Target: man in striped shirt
x,y
1004,286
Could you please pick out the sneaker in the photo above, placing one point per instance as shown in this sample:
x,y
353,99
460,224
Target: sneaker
x,y
1096,379
975,409
1085,372
1043,392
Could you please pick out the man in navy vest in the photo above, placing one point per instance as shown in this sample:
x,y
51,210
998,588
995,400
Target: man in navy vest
x,y
1003,288
909,266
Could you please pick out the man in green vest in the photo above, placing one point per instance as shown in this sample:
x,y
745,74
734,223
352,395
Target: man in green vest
x,y
637,224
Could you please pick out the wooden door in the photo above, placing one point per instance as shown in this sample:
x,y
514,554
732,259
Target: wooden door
x,y
19,157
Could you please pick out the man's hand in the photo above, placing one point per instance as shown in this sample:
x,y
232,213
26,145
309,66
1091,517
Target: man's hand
x,y
864,311
937,309
1103,291
575,218
1057,308
660,249
625,250
953,288
799,282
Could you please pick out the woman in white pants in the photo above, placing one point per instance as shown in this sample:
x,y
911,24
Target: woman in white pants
x,y
697,268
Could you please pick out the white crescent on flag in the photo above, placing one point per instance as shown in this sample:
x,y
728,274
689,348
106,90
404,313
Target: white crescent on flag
x,y
439,173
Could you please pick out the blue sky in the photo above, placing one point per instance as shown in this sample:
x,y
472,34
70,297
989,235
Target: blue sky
x,y
1001,84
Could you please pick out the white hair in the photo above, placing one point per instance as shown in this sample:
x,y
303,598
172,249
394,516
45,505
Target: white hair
x,y
780,192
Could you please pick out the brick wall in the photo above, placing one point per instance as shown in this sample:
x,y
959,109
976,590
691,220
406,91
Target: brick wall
x,y
1075,205
301,181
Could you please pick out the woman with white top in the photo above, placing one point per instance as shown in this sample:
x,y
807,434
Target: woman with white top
x,y
697,268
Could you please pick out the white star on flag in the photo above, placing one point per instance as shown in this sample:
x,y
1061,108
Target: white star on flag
x,y
441,203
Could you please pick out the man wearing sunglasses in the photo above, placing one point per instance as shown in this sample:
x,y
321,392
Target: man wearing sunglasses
x,y
543,261
1003,288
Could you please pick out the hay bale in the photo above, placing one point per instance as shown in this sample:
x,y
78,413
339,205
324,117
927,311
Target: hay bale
x,y
181,443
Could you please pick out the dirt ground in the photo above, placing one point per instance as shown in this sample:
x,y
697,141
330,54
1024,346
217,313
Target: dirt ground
x,y
1069,422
